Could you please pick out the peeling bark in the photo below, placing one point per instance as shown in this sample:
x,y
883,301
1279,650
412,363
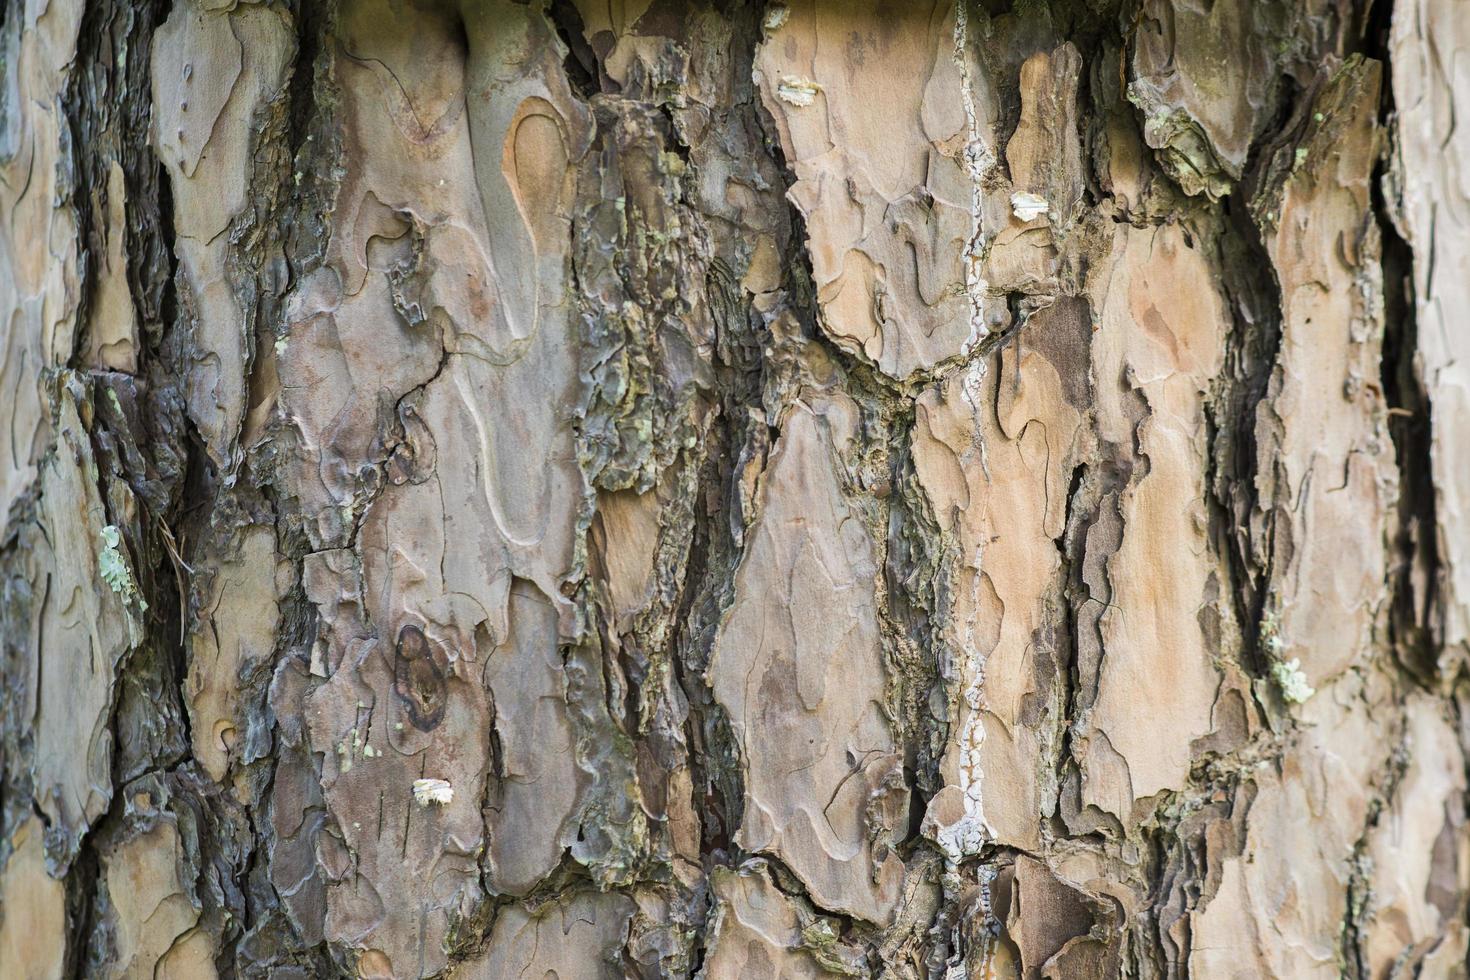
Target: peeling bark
x,y
502,489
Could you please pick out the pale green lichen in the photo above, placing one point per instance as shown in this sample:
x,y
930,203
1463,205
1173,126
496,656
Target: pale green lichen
x,y
1270,634
1292,681
1184,149
820,938
114,570
1288,674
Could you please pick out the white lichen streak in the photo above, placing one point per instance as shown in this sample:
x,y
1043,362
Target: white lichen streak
x,y
799,92
968,834
977,160
432,792
776,17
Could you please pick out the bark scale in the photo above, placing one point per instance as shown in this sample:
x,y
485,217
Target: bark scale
x,y
659,489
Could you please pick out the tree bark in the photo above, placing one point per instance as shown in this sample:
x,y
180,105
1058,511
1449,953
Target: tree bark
x,y
662,489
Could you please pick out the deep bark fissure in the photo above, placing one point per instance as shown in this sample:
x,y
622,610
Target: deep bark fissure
x,y
1415,629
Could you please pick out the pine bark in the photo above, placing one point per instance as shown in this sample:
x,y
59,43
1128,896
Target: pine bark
x,y
662,489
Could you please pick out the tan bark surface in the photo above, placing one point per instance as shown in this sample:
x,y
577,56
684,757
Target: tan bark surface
x,y
639,489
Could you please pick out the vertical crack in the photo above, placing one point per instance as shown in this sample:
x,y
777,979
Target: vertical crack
x,y
1415,631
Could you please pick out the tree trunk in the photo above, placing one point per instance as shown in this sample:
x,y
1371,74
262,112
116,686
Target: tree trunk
x,y
660,489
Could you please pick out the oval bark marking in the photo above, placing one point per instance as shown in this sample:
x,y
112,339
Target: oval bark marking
x,y
420,675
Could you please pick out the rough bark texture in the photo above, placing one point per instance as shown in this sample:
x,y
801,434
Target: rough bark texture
x,y
648,488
